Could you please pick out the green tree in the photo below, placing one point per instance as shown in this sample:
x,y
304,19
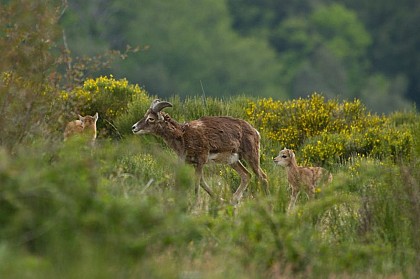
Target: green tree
x,y
260,18
96,26
188,42
383,94
326,50
346,38
393,26
28,50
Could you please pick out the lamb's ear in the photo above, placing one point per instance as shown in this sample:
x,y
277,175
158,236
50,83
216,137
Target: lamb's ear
x,y
81,118
292,153
96,116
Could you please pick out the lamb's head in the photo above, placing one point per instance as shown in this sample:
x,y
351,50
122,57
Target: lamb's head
x,y
285,158
152,119
89,121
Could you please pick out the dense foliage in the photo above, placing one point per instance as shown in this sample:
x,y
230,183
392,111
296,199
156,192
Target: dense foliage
x,y
272,48
26,83
189,44
346,47
127,208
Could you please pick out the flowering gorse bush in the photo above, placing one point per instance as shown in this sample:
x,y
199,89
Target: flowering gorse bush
x,y
105,95
325,130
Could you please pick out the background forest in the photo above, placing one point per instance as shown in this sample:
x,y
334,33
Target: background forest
x,y
125,207
283,49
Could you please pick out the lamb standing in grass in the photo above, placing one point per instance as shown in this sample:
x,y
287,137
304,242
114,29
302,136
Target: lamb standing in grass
x,y
306,178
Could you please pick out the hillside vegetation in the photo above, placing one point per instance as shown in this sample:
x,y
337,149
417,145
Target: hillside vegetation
x,y
125,208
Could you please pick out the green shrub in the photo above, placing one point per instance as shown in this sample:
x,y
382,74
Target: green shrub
x,y
59,203
30,54
105,95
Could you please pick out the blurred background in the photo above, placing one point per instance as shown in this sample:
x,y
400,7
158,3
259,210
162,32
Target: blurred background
x,y
271,48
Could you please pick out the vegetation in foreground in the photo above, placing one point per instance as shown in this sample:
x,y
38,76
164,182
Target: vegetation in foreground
x,y
125,207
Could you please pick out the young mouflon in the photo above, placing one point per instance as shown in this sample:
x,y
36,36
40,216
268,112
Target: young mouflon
x,y
301,178
85,125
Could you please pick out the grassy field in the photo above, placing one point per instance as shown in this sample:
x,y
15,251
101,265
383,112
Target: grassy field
x,y
126,208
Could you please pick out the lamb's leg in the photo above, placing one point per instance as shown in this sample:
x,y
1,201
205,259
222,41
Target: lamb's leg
x,y
293,199
245,176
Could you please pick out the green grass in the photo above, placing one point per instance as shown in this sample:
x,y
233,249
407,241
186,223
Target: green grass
x,y
126,209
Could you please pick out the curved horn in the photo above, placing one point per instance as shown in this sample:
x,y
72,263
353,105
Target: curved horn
x,y
155,101
157,105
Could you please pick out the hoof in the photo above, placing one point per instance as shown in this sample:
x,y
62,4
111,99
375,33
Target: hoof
x,y
234,202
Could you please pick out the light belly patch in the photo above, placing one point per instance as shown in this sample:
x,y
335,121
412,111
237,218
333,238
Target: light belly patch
x,y
223,158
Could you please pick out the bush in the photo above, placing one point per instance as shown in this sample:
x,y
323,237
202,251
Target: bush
x,y
329,131
59,203
105,95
